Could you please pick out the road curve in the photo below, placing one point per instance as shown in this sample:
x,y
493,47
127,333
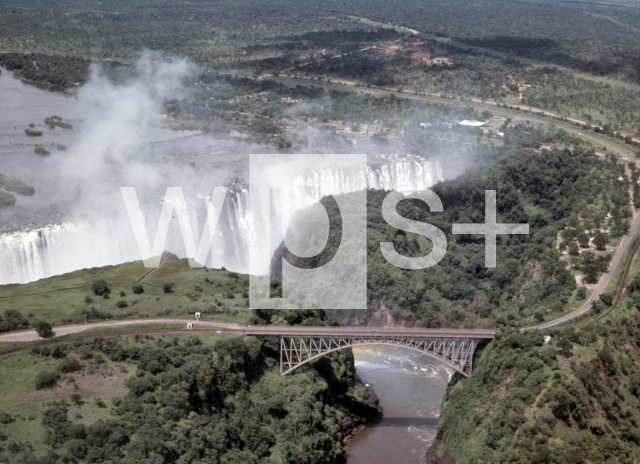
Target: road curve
x,y
602,284
31,335
617,257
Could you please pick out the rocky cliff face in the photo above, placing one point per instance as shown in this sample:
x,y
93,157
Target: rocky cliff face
x,y
370,414
379,315
434,456
573,399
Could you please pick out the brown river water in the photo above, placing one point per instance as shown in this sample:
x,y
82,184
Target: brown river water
x,y
410,386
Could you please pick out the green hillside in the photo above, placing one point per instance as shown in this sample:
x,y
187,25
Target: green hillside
x,y
574,399
174,289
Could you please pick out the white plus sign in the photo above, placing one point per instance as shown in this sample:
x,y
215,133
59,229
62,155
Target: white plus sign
x,y
490,228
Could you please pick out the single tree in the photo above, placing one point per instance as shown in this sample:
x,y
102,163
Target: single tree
x,y
44,329
583,240
565,346
100,287
600,242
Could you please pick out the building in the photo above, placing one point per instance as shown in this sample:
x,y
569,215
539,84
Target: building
x,y
489,132
472,123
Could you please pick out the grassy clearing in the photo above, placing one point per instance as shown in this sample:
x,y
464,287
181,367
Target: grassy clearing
x,y
7,347
218,294
99,379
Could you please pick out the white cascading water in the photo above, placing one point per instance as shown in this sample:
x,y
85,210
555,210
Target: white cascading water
x,y
29,255
242,227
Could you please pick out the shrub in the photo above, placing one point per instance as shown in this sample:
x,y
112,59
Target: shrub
x,y
167,288
546,416
46,379
581,294
231,296
69,365
77,447
565,346
76,398
583,240
14,447
122,304
44,329
93,313
13,320
76,431
100,288
123,293
137,289
87,299
41,151
606,298
5,418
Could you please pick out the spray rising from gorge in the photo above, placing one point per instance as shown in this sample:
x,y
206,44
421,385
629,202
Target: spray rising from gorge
x,y
77,219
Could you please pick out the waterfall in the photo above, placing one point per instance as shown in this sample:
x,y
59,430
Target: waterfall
x,y
29,255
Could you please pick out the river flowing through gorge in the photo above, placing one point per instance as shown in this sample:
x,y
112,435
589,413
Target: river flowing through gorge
x,y
410,386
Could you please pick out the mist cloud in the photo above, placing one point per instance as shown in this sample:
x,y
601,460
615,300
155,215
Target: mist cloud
x,y
120,110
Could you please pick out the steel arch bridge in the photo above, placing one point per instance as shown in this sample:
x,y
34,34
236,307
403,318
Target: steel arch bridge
x,y
300,345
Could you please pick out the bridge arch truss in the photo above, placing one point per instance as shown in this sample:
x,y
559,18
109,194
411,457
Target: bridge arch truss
x,y
455,352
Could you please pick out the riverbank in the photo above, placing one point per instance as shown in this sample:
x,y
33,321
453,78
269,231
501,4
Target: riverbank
x,y
351,427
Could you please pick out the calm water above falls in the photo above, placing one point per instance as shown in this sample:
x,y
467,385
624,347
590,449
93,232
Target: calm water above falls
x,y
410,386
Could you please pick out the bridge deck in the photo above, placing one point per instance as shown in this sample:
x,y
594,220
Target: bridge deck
x,y
300,331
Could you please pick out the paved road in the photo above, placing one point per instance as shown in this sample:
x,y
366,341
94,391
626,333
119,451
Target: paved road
x,y
31,335
369,332
602,284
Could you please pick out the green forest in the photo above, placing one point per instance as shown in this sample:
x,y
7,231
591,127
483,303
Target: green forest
x,y
178,399
573,399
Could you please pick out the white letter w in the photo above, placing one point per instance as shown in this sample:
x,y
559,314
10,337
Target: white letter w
x,y
173,199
